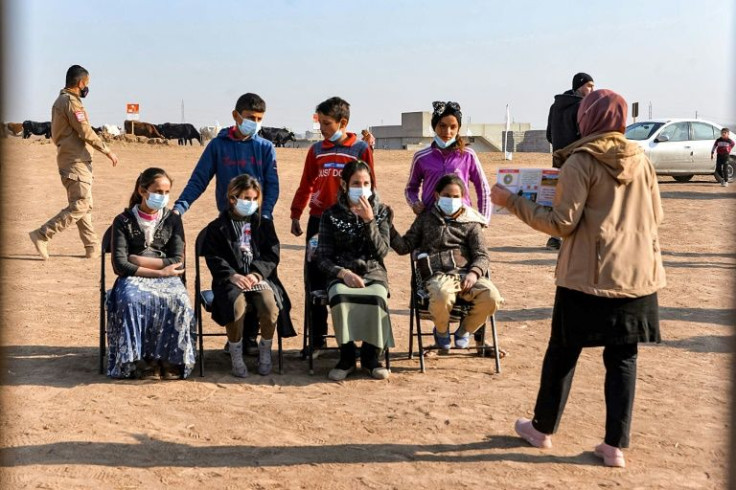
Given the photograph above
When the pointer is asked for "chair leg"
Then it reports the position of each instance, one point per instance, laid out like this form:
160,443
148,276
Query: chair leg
305,343
103,324
496,348
281,354
308,331
482,350
411,328
198,307
419,340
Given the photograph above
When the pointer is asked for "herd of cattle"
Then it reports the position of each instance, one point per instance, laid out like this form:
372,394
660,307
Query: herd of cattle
183,133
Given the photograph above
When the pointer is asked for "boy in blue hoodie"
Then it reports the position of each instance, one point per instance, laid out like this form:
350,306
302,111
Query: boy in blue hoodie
236,150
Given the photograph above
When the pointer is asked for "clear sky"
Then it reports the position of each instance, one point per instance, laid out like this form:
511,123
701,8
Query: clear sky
384,56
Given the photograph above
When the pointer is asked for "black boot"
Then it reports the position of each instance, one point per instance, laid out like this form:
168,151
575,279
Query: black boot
346,365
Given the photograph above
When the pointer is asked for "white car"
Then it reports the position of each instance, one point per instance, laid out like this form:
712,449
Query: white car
679,147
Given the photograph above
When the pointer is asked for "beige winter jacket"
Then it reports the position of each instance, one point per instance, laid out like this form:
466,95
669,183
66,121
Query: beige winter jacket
607,209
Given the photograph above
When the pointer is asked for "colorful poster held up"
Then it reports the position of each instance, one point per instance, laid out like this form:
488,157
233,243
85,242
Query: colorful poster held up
536,184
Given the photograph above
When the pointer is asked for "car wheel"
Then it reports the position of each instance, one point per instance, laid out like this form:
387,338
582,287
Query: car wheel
683,178
731,168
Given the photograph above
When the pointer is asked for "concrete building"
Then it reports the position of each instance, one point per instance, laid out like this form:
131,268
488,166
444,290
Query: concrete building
415,132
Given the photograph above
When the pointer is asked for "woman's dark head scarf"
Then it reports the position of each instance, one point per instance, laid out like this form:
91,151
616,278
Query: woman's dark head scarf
602,111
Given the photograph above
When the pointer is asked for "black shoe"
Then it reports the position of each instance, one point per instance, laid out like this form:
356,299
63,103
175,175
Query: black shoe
553,243
250,347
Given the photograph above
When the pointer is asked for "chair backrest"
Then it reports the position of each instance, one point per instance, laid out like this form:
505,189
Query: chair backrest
105,248
198,248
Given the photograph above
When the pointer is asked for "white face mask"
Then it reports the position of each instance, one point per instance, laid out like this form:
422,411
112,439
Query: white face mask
450,205
246,208
442,143
157,201
354,193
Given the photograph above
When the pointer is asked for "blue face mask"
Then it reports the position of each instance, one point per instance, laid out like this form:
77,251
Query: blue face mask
442,143
450,205
157,201
336,137
354,193
246,208
249,128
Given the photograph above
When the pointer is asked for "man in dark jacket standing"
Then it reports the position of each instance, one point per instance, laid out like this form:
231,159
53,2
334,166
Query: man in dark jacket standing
562,123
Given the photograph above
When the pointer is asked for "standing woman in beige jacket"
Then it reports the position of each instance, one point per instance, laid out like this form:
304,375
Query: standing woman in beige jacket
607,210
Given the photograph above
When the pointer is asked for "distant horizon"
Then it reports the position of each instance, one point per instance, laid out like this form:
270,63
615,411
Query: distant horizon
396,58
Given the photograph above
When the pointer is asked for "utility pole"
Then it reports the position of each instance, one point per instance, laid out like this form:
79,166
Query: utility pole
650,109
182,110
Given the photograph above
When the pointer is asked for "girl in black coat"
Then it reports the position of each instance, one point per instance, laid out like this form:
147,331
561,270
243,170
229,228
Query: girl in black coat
242,253
150,319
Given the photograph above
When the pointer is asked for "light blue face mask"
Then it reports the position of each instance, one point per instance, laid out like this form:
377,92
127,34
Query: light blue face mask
450,205
354,193
442,143
249,128
157,201
246,208
336,137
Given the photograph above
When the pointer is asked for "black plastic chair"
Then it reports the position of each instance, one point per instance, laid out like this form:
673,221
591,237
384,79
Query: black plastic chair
204,298
419,310
105,249
319,297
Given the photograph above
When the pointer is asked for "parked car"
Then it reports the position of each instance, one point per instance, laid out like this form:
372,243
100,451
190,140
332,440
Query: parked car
679,147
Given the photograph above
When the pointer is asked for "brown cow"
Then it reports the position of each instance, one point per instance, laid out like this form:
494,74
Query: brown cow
16,129
142,129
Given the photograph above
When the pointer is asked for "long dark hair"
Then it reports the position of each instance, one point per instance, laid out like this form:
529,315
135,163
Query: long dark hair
145,179
350,169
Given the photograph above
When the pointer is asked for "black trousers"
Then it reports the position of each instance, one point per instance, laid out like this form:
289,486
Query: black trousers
316,281
722,166
558,369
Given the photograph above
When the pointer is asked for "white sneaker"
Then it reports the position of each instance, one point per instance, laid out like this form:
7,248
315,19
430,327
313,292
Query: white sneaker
236,356
265,363
724,183
337,374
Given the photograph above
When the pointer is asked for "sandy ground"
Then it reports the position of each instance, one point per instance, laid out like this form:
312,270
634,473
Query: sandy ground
66,426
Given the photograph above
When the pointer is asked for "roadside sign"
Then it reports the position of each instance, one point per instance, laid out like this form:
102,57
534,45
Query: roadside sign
133,112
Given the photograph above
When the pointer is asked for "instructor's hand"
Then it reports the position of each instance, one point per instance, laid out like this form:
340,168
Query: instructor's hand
113,158
500,195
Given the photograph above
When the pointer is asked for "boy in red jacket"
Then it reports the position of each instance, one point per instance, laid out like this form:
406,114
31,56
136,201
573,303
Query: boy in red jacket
318,187
722,147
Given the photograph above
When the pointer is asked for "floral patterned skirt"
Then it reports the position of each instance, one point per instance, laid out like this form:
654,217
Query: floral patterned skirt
151,319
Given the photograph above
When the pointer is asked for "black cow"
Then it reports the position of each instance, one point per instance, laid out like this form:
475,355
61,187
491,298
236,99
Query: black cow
182,132
97,130
37,128
277,136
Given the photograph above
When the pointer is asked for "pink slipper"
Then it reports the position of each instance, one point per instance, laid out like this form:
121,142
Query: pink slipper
612,456
526,431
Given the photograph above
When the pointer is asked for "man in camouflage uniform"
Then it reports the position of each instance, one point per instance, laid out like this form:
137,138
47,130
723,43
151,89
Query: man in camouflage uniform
72,132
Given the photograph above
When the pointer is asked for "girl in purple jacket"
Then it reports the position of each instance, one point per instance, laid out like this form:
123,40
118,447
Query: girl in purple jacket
446,155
